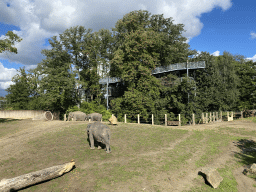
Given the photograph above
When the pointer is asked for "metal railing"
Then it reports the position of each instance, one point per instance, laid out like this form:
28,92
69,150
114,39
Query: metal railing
179,66
163,69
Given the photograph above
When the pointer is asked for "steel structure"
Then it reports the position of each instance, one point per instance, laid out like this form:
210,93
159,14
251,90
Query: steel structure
179,66
163,69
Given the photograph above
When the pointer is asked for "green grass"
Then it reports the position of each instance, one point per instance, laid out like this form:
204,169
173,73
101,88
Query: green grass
253,119
140,153
5,126
240,131
214,144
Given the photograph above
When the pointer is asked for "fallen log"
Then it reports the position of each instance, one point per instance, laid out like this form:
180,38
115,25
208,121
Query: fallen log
29,179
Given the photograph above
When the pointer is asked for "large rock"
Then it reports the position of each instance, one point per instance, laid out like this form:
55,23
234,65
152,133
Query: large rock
250,170
212,176
113,120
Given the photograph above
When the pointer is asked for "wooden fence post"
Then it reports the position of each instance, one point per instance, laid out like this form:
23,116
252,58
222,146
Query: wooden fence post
152,119
165,119
138,118
202,118
65,117
124,118
210,117
179,120
193,119
206,118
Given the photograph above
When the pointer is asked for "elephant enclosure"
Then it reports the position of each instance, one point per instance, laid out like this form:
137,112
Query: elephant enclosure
142,158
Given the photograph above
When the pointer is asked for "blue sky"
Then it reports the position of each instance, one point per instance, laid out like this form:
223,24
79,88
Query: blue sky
229,30
213,25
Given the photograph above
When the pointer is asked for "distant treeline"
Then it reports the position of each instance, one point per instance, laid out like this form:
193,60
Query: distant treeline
139,43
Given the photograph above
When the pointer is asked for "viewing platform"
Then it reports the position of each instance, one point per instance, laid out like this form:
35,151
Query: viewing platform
162,69
179,66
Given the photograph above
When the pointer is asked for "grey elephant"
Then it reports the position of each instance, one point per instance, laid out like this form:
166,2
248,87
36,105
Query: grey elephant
77,116
100,133
94,117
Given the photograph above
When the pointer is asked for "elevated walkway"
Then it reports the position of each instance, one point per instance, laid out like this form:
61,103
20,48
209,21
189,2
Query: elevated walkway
159,70
179,66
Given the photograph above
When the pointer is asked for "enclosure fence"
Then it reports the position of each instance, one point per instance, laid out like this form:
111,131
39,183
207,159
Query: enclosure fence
176,119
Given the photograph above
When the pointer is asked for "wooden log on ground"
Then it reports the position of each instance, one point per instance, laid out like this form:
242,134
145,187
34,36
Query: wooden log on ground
29,179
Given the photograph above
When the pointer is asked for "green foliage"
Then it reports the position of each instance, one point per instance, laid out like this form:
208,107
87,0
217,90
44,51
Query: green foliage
7,43
19,93
247,75
56,87
145,42
217,84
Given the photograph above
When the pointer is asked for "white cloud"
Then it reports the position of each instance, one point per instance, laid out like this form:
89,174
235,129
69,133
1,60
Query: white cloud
216,53
252,58
253,35
6,76
42,19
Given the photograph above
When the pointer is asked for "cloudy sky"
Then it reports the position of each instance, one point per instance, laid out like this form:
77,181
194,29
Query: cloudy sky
211,25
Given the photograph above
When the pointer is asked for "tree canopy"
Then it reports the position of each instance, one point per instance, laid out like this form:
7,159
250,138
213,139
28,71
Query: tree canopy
145,42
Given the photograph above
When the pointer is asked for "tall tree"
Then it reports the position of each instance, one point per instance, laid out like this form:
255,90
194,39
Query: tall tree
57,84
246,70
19,93
90,53
217,84
144,42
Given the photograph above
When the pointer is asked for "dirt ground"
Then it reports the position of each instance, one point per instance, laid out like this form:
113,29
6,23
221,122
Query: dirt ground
12,143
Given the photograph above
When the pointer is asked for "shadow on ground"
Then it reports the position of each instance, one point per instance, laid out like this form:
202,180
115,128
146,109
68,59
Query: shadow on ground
4,120
247,155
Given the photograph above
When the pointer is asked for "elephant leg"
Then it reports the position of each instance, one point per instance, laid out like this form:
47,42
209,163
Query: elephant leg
108,150
91,140
107,144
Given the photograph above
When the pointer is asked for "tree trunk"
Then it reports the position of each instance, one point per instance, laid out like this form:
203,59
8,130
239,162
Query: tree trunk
29,179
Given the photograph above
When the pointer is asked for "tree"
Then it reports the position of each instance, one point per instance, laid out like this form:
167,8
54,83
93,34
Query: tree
144,42
217,84
246,70
90,54
19,93
7,43
57,84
